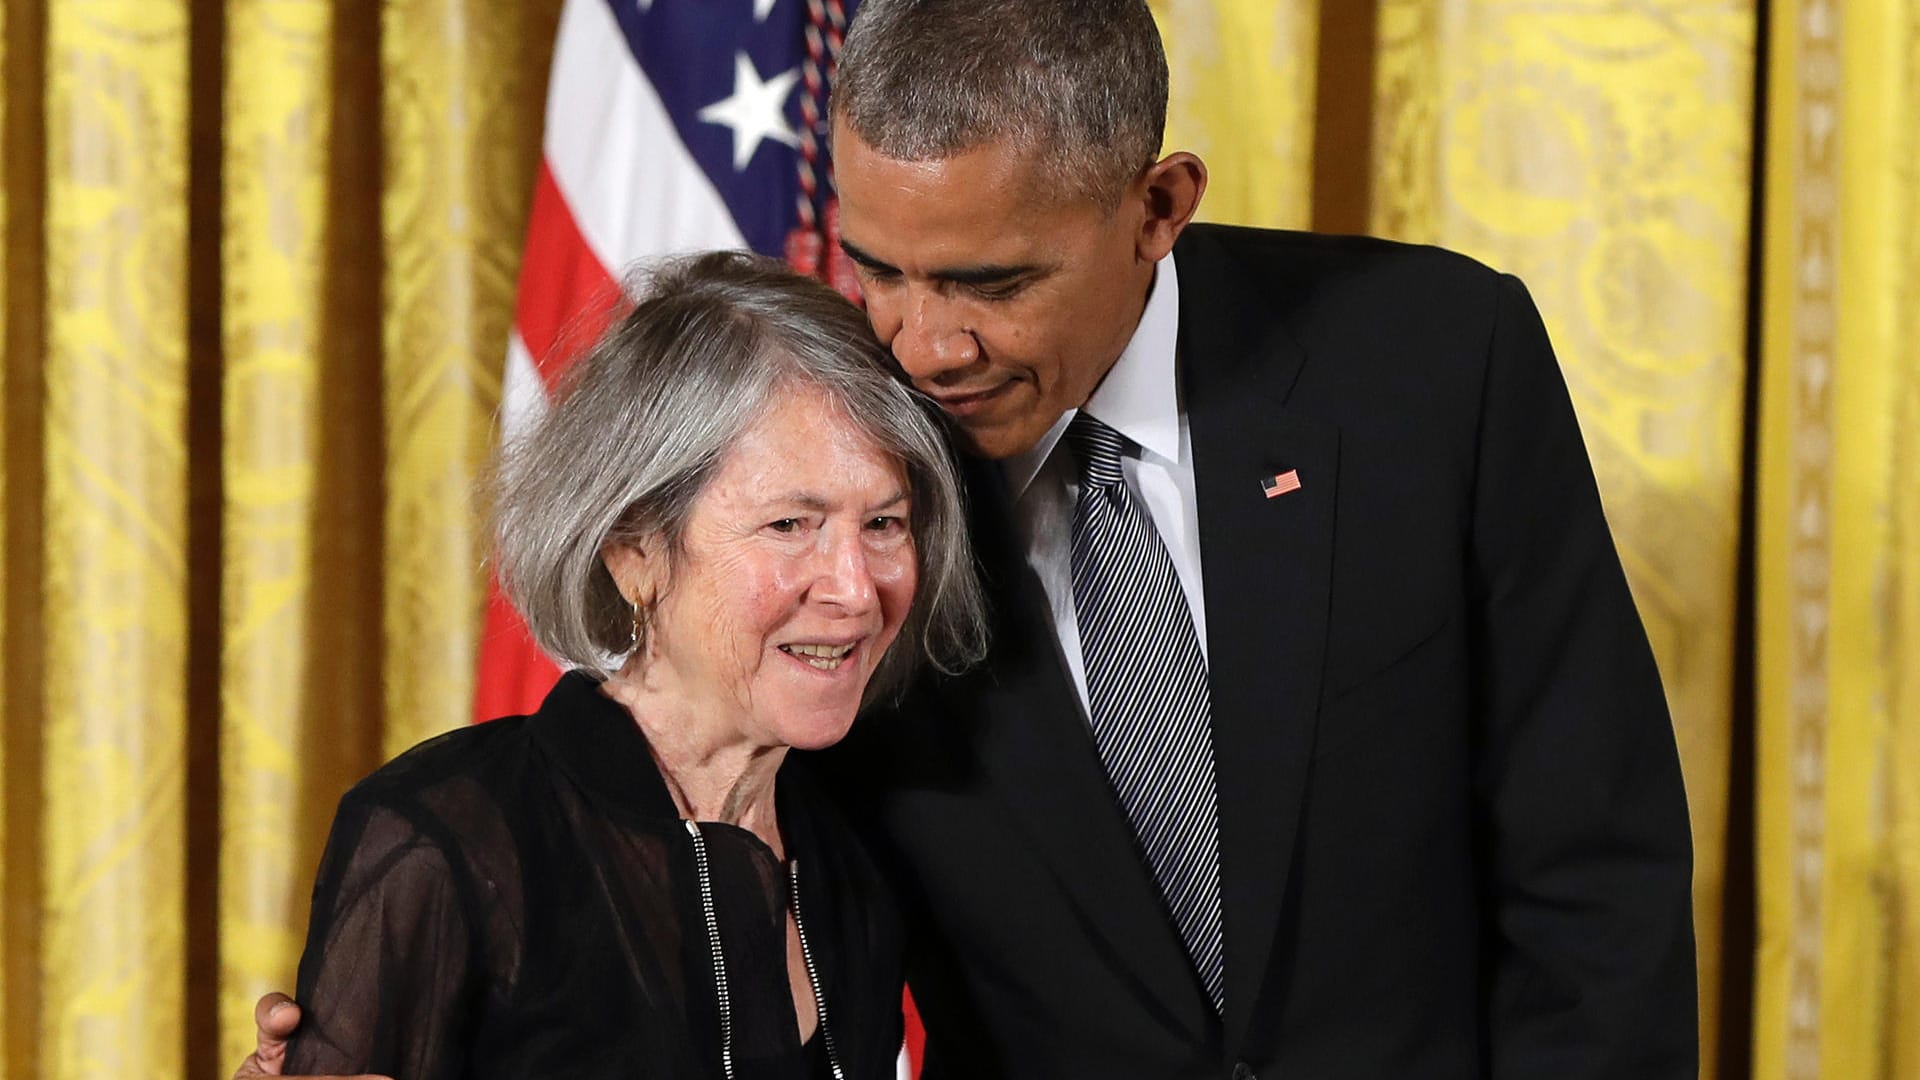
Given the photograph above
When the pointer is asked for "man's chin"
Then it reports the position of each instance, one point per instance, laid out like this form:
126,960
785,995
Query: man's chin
997,437
997,442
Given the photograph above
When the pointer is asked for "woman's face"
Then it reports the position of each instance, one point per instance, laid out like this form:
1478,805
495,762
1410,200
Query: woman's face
798,567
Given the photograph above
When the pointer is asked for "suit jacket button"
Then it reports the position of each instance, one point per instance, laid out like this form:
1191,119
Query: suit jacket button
1243,1071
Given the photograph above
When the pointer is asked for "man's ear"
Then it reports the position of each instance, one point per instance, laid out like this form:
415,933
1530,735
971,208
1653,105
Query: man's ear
637,571
1170,189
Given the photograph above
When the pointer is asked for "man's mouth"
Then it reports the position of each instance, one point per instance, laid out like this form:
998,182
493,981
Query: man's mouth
822,657
963,402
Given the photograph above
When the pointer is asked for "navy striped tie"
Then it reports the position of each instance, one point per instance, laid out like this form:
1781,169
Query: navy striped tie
1147,688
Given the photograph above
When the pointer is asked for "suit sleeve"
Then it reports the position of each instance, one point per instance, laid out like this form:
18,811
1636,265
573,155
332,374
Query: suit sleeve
1583,829
387,981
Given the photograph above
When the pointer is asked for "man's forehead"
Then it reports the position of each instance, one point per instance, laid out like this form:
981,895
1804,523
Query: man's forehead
993,166
959,211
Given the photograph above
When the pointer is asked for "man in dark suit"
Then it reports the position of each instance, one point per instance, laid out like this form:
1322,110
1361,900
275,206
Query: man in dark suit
1320,737
1448,831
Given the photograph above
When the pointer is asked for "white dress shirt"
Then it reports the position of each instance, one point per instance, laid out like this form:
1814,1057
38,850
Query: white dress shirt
1140,399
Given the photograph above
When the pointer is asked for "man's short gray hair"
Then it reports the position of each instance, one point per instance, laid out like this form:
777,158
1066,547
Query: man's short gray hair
1082,83
645,419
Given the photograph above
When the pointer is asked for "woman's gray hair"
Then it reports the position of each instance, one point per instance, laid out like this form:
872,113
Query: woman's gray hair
644,420
1081,85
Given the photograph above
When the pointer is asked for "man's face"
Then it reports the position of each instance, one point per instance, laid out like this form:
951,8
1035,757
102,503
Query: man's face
1004,301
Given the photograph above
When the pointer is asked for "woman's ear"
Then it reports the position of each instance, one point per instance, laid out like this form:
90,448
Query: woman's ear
637,570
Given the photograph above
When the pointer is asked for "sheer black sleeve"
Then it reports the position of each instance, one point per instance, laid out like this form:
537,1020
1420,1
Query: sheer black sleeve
388,982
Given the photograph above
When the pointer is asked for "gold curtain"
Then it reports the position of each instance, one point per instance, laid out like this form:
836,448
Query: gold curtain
114,520
259,262
259,273
5,301
1242,95
1838,975
1601,153
375,206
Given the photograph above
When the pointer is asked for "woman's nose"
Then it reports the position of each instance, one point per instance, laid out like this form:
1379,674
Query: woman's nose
845,577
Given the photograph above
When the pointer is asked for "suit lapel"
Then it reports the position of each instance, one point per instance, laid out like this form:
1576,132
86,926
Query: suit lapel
1267,564
1031,739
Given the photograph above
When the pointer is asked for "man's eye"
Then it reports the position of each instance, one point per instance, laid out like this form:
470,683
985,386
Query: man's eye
784,525
1003,291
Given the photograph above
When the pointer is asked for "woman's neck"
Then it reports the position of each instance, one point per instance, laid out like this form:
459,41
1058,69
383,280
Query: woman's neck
712,771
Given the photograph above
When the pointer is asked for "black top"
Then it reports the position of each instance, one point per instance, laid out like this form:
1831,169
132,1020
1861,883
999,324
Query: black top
521,899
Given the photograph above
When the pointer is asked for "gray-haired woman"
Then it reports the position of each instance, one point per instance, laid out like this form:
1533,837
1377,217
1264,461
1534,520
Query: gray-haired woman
736,525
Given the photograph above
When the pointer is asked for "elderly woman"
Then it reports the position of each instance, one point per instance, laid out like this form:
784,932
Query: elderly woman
736,526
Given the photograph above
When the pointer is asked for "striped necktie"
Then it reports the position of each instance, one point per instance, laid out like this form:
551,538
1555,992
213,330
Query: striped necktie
1147,688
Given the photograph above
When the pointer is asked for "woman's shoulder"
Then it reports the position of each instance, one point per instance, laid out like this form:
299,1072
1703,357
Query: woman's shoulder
446,814
450,787
453,756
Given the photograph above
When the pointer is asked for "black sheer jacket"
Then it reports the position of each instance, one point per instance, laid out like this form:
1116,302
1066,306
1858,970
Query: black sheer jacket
521,899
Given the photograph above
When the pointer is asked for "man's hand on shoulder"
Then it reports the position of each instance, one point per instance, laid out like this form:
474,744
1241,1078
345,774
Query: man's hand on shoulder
275,1017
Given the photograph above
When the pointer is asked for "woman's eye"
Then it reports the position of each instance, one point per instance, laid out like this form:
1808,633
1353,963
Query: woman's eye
785,525
887,524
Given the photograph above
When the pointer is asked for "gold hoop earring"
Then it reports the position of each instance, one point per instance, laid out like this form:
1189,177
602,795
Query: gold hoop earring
633,629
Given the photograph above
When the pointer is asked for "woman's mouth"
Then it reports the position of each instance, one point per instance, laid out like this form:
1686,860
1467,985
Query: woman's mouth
818,656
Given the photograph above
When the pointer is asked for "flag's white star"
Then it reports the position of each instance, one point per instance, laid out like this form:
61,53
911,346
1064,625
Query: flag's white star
756,111
761,9
645,6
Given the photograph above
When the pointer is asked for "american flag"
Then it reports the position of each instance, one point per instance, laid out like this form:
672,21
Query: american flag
671,126
1276,486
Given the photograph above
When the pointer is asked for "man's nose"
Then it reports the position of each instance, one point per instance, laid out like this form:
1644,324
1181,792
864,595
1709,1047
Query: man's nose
929,338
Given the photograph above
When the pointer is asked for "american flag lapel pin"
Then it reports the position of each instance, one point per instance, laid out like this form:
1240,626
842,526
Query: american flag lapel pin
1276,486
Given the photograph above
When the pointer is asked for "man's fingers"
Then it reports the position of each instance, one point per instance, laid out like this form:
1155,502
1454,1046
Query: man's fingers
275,1017
250,1070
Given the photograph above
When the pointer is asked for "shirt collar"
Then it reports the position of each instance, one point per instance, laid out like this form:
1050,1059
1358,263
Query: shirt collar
596,741
1138,398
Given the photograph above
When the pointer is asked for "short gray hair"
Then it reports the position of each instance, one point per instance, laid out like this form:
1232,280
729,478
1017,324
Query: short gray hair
644,420
1082,83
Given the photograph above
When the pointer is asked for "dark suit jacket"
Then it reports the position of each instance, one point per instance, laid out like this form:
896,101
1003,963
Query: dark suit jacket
1453,837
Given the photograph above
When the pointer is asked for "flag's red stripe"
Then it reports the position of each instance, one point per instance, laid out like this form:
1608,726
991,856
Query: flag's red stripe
564,299
566,296
514,675
916,1035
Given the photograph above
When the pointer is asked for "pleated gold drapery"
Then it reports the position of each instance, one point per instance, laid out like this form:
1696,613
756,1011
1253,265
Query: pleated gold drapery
1602,153
259,274
365,167
114,591
375,205
1838,970
1242,97
5,307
